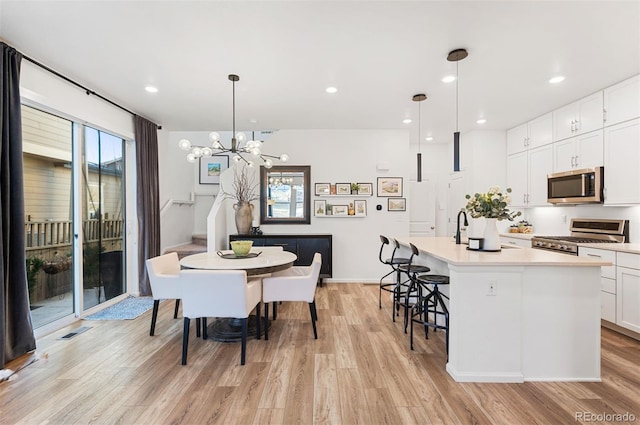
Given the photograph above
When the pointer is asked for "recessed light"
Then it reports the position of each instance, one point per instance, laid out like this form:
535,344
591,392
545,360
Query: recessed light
449,79
151,89
481,121
557,79
331,90
428,138
406,121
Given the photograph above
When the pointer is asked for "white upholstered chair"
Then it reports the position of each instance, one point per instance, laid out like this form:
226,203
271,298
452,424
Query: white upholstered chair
164,276
294,284
218,293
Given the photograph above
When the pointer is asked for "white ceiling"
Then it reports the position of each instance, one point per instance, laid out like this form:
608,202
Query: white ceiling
377,53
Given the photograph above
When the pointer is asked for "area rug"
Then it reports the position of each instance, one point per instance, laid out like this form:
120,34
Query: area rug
127,309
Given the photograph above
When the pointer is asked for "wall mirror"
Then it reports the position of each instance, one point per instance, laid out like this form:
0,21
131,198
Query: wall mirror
284,194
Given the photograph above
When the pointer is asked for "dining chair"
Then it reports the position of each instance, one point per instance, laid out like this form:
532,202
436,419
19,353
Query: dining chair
297,283
218,293
164,278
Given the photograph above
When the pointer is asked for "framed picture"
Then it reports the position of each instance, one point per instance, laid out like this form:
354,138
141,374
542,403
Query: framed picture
320,207
396,204
340,210
360,205
365,189
323,189
343,188
211,167
389,186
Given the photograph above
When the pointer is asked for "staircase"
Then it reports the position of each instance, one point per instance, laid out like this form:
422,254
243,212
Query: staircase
198,244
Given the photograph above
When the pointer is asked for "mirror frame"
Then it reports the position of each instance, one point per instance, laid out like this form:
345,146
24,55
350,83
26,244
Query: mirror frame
264,184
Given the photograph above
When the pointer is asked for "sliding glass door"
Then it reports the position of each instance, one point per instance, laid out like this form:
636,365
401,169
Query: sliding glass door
102,217
70,167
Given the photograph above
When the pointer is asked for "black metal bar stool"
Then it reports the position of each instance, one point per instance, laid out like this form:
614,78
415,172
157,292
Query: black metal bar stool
429,305
393,262
414,289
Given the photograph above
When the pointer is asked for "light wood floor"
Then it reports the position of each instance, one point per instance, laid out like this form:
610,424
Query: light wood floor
359,371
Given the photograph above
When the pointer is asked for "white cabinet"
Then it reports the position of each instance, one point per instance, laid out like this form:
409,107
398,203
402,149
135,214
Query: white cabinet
584,151
628,291
622,101
527,176
578,117
621,159
533,134
607,281
522,243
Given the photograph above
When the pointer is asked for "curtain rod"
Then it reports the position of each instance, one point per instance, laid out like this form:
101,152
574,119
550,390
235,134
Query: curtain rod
86,90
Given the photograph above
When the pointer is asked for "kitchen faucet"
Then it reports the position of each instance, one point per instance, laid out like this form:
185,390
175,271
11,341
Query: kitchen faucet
466,223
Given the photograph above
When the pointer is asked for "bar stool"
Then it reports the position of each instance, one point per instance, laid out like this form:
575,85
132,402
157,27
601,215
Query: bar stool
429,305
414,288
393,262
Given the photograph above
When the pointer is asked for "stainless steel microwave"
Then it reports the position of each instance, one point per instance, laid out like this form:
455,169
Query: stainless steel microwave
576,186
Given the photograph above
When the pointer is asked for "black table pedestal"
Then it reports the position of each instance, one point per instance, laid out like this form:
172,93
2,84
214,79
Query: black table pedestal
230,330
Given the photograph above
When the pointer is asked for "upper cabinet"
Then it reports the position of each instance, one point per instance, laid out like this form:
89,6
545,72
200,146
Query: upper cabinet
621,159
530,135
622,101
584,151
578,117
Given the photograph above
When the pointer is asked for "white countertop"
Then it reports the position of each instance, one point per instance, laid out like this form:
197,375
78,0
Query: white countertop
526,236
445,249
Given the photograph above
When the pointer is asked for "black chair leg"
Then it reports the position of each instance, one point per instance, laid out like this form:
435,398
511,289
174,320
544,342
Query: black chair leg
198,325
312,310
275,310
154,316
204,328
258,320
175,311
243,348
266,321
185,340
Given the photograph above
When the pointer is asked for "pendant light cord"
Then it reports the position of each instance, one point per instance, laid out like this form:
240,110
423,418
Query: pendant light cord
419,122
457,95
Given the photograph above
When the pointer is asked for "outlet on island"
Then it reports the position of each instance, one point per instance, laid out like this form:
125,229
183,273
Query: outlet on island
492,288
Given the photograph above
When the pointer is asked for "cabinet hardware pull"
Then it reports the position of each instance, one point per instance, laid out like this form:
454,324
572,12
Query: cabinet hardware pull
594,255
604,115
577,161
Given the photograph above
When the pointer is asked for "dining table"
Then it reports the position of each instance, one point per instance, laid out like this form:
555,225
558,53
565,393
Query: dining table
259,261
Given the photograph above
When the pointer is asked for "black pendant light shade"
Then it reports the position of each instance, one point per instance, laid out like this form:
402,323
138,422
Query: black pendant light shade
456,56
419,98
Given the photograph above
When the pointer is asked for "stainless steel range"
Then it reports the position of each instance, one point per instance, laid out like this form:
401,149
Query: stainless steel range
585,230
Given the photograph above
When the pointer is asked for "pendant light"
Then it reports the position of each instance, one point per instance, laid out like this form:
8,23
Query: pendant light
456,56
419,98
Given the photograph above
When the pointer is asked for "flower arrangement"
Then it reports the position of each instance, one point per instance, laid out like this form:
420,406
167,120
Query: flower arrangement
492,204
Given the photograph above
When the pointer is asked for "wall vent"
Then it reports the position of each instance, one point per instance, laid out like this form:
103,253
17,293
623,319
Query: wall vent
75,332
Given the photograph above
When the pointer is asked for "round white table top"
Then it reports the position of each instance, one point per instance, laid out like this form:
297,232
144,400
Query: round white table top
268,261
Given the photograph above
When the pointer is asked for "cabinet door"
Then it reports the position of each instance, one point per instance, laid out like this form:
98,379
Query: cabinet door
590,113
256,241
621,159
517,139
307,247
517,178
540,164
540,131
564,155
628,299
589,150
622,101
608,306
564,122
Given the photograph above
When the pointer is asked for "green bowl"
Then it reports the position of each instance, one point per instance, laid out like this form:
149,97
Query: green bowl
241,248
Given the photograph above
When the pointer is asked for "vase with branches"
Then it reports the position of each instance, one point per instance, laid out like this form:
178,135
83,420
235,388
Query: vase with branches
244,192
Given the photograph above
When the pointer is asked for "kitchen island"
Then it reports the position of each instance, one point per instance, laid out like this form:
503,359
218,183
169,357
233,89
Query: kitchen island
521,314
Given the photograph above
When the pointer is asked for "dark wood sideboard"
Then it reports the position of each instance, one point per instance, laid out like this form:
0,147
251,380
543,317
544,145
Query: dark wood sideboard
303,245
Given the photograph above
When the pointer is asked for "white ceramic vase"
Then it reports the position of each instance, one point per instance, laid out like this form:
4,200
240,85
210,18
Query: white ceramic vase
491,235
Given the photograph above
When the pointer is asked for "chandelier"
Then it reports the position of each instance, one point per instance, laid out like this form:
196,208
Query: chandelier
251,149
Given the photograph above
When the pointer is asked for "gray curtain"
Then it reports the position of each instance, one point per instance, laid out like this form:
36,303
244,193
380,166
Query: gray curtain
148,197
16,330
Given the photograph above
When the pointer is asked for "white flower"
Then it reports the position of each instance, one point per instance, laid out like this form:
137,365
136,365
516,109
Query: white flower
494,189
507,199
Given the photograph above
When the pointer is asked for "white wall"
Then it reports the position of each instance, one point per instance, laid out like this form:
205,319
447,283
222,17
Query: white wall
348,156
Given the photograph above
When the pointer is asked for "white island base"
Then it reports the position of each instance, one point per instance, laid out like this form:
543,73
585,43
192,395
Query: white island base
520,314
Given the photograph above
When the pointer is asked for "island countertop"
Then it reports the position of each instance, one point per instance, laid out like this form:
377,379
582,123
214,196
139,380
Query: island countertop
445,249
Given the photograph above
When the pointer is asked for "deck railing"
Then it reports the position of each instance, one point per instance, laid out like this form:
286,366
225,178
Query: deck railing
53,234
